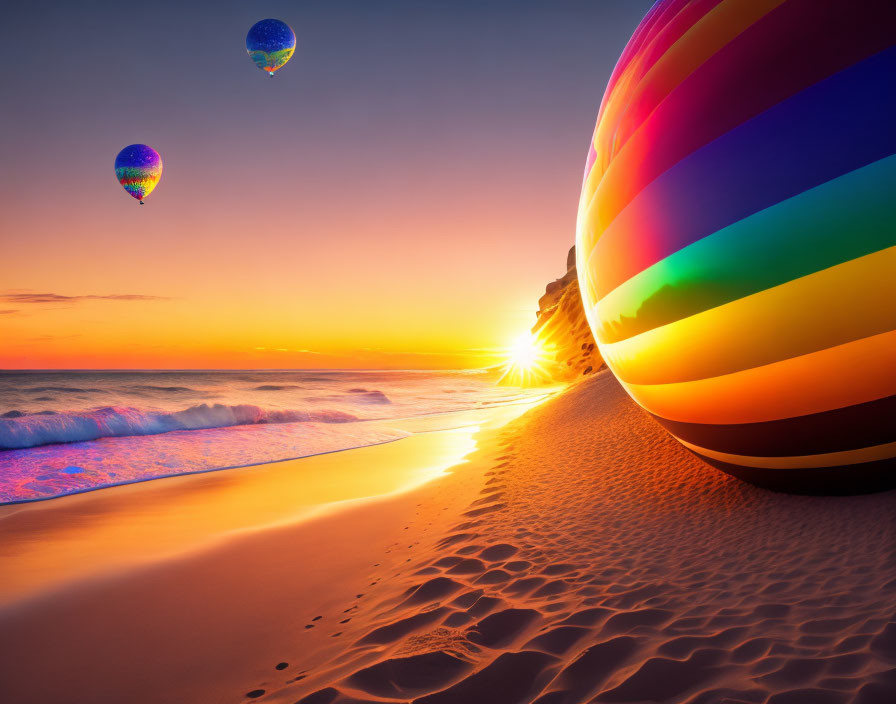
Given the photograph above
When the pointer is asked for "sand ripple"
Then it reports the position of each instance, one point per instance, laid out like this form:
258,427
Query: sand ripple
602,563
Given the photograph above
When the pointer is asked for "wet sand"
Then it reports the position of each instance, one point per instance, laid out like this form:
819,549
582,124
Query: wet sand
579,555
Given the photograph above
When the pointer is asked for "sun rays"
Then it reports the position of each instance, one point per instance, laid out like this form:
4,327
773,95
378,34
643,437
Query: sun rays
527,362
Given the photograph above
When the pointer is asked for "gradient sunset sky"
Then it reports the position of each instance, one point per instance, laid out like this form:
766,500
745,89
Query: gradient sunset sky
397,196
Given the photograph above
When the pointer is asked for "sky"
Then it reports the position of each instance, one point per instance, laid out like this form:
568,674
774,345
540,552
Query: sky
397,196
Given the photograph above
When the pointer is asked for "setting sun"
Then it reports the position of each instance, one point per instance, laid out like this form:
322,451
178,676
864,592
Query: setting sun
526,362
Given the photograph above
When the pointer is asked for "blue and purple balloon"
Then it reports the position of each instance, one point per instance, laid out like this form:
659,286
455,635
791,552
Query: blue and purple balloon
270,44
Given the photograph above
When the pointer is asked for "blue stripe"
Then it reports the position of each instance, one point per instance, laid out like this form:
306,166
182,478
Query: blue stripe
833,127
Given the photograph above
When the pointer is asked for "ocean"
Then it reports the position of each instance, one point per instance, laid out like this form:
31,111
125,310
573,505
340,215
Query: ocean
64,432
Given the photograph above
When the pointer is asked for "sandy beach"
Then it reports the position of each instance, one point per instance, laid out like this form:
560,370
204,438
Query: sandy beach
578,554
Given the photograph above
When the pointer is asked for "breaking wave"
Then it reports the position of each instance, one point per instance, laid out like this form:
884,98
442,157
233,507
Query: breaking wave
370,395
170,389
66,390
31,430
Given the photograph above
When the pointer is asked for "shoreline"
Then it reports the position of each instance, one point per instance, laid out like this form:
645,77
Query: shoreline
404,421
128,482
212,505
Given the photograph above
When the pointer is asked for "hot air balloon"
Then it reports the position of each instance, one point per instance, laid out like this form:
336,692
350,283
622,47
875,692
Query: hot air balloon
138,169
736,244
270,44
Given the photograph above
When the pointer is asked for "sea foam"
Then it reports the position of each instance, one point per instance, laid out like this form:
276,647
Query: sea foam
37,429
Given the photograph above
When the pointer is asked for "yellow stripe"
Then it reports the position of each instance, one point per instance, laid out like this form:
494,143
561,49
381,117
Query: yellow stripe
856,372
827,459
846,302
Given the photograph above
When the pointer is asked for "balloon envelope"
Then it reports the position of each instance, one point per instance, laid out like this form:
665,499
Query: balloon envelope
138,169
735,242
270,44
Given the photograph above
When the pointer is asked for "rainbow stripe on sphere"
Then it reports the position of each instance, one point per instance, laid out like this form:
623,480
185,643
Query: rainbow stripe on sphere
736,235
138,169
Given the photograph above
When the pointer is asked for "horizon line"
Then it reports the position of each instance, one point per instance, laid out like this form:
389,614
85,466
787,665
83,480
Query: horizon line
246,369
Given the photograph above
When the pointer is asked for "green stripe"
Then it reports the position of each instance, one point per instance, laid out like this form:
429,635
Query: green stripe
848,217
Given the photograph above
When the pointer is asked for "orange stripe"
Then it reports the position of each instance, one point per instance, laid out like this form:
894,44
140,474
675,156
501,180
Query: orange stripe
856,372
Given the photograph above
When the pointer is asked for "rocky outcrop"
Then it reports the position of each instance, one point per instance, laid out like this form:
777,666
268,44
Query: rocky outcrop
562,329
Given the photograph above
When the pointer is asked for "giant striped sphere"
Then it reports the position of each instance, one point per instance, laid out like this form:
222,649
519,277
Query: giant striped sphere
736,239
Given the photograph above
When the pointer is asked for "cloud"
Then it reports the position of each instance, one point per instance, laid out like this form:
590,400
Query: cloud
11,297
472,352
44,338
8,311
284,349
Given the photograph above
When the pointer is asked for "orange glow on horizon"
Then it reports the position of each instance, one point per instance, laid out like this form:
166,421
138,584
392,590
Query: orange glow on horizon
181,334
365,209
